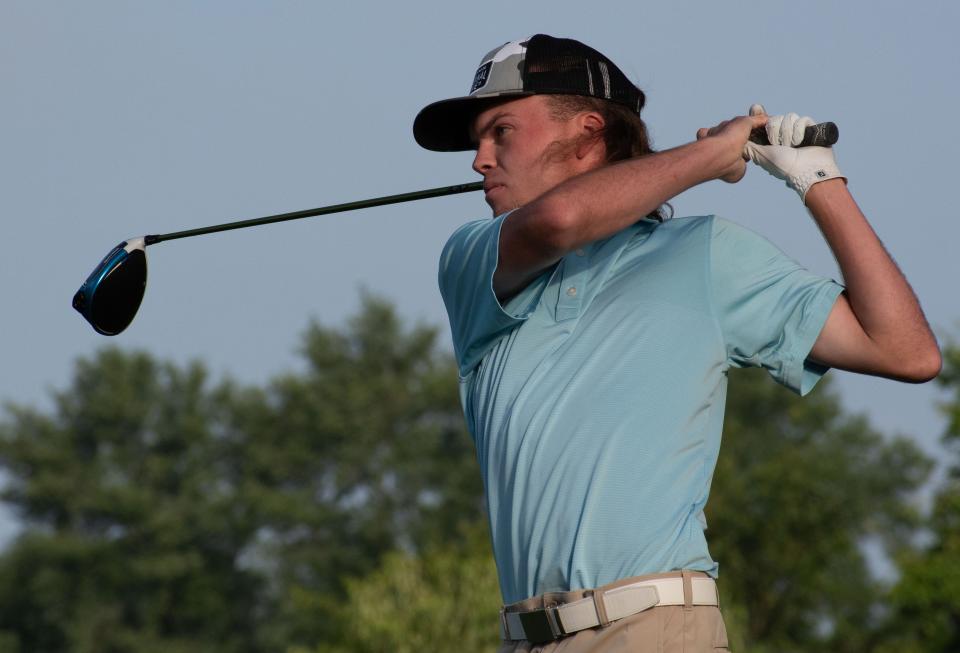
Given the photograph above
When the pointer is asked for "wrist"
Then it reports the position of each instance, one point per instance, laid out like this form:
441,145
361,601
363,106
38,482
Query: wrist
819,185
810,166
717,157
826,193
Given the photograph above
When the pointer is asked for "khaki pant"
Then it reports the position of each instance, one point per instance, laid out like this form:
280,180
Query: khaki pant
664,629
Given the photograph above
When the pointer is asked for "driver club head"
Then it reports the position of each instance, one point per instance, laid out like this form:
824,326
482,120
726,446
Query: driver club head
111,295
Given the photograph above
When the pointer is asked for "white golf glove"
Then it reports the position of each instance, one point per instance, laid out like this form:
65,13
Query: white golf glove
800,167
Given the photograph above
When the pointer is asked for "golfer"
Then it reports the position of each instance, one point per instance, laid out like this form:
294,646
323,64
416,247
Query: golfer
593,336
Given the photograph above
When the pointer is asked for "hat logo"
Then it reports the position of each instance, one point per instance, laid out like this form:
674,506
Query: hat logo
481,78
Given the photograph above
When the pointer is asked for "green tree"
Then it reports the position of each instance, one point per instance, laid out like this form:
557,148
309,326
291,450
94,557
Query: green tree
363,453
926,601
335,508
134,537
799,488
446,596
165,514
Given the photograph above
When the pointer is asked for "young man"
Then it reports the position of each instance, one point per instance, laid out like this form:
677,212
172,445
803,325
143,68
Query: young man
593,337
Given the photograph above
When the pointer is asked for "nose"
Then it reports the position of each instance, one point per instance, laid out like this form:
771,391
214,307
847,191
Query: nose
484,160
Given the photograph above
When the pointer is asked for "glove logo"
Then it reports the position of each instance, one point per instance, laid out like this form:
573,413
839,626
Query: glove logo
821,174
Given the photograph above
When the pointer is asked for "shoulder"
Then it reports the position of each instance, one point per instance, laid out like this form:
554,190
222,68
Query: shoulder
485,231
692,226
719,233
676,237
727,247
465,233
725,229
469,257
712,227
471,243
736,243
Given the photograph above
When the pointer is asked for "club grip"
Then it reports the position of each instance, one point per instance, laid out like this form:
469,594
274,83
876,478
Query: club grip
823,134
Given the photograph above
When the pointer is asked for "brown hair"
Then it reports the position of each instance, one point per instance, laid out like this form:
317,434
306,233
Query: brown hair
624,134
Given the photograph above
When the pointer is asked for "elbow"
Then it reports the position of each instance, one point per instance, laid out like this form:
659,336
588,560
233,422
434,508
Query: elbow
553,223
925,366
932,366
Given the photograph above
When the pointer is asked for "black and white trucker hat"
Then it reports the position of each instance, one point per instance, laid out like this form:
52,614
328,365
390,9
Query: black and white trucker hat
536,65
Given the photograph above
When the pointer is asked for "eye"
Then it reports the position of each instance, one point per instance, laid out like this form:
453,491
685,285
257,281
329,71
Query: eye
500,131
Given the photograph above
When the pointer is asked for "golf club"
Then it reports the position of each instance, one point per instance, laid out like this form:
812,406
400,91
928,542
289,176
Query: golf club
111,295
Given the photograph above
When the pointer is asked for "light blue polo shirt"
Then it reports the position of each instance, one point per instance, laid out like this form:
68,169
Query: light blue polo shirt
595,397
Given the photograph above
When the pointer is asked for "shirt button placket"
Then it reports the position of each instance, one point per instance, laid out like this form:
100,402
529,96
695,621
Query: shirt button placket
574,279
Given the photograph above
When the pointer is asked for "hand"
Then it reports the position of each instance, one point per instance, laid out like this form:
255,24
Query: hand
734,133
800,167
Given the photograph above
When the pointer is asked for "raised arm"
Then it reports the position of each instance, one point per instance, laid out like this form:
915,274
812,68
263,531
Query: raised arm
876,326
590,199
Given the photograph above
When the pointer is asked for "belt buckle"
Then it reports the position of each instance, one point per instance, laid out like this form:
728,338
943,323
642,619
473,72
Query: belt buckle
541,626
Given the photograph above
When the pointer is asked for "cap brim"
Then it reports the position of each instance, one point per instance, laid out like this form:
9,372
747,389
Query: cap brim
444,126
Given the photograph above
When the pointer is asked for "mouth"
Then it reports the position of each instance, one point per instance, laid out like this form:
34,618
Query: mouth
489,187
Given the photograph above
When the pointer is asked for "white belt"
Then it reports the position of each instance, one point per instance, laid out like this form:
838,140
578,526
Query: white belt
551,623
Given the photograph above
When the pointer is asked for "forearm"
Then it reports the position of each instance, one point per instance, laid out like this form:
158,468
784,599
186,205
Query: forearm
878,294
601,202
605,199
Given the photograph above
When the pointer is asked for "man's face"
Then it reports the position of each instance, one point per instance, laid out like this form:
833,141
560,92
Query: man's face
522,152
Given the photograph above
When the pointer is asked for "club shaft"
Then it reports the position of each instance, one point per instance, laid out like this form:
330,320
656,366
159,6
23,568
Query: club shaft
324,210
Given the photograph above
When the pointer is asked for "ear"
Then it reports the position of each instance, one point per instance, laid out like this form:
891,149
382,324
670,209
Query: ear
590,125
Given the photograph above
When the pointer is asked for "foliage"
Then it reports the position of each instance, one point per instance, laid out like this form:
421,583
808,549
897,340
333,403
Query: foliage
926,601
135,531
949,379
445,597
798,487
163,514
363,453
338,508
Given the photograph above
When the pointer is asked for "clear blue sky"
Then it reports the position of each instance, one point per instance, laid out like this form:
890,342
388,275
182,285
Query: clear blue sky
119,119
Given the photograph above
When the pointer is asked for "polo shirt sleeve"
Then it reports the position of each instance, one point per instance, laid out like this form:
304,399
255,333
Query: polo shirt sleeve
769,307
477,319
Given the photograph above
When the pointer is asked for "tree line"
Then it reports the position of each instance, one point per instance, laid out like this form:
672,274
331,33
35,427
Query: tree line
339,508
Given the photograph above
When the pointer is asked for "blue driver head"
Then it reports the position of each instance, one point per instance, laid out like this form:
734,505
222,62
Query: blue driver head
111,295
